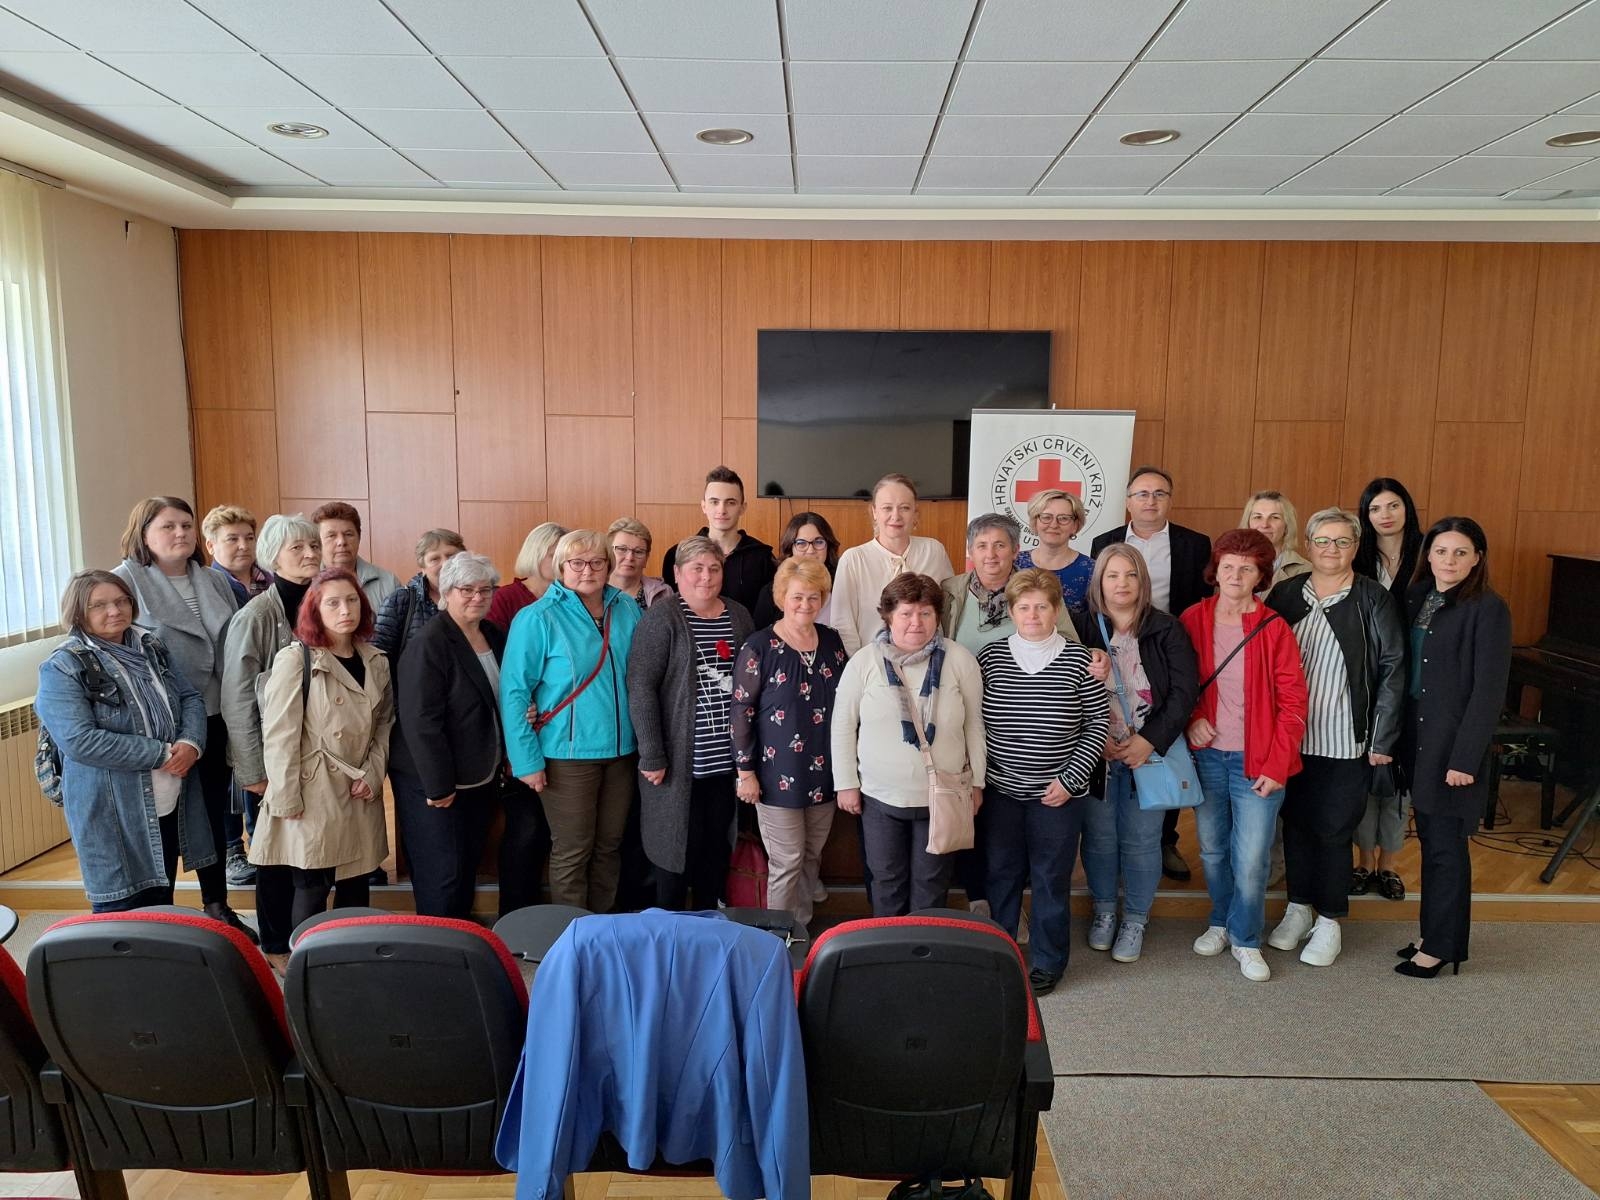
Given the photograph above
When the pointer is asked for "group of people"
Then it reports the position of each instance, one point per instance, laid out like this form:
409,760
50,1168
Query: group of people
618,722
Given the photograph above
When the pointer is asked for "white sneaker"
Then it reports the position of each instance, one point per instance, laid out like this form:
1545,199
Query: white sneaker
1325,944
979,908
1022,928
1212,942
1251,965
1292,930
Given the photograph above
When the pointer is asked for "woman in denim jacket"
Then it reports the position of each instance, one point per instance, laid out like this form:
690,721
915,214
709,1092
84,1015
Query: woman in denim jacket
130,730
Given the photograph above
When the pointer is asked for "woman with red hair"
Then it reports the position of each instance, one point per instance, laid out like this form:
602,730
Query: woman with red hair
1246,731
326,716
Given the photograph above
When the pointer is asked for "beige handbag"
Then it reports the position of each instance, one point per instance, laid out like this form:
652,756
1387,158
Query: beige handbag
950,817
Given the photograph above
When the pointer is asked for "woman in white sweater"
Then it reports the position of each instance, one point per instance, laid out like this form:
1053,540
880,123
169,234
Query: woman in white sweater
909,672
866,569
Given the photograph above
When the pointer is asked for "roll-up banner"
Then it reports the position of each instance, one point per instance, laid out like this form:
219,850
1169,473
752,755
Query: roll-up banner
1016,453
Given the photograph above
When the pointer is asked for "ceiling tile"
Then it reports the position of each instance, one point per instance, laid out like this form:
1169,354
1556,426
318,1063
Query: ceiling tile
738,191
251,124
1574,37
829,171
1101,133
1254,28
378,80
1239,170
675,132
548,84
490,185
1032,87
500,167
70,79
1410,134
1082,31
869,87
1588,106
1188,190
1445,28
551,29
848,29
244,167
1501,173
984,171
1583,176
355,168
1535,88
156,125
966,191
590,171
1291,133
703,85
436,128
1090,191
1112,170
688,28
17,34
1360,171
1006,135
861,135
583,133
196,79
312,26
748,170
126,25
1530,140
1361,86
1157,87
858,191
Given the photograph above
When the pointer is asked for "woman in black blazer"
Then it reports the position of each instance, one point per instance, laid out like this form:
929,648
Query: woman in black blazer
450,711
1460,634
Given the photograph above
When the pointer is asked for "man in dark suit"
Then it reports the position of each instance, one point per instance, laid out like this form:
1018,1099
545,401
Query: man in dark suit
1177,558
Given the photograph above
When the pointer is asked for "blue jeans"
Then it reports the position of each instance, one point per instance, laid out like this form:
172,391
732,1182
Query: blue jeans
1120,837
1029,843
1236,828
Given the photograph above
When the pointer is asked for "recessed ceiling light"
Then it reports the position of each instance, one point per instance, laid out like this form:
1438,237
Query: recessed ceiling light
297,129
1149,137
1583,137
726,137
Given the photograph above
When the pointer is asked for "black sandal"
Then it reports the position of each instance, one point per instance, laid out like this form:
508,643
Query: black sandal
1360,881
1390,886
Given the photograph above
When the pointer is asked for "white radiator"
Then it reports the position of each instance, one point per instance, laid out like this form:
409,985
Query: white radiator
29,824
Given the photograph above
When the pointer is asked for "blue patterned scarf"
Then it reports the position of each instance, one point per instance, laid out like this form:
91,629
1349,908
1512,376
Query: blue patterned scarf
149,690
895,661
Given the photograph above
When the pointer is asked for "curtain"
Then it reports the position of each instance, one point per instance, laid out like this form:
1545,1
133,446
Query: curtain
38,506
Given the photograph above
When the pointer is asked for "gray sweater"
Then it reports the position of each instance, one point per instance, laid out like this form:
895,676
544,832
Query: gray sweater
193,643
661,700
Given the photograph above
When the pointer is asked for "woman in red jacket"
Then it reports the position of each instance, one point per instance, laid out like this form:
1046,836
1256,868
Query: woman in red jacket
1246,732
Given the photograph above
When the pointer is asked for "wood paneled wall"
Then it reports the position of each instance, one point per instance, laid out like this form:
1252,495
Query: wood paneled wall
484,382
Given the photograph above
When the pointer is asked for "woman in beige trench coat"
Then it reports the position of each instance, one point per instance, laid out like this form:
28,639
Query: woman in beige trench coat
325,739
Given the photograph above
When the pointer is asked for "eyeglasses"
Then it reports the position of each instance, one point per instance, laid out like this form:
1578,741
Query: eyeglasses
630,551
816,543
476,593
1058,518
1322,543
1144,496
120,602
594,565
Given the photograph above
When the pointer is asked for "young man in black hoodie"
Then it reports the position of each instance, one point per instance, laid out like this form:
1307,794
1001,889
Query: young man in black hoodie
749,565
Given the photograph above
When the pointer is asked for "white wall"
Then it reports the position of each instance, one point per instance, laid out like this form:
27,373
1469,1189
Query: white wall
118,277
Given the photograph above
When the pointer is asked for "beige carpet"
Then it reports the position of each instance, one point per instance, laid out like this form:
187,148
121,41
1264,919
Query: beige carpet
1521,1011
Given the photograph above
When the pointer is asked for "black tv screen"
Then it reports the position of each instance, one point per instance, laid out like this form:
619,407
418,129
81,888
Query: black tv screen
838,409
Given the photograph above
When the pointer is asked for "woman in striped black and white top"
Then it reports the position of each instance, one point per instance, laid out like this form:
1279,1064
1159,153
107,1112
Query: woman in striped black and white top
1352,648
1045,722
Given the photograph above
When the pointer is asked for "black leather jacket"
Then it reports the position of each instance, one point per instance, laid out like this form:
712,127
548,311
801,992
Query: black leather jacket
1372,636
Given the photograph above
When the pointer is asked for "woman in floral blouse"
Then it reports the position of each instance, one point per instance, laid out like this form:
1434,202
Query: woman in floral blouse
783,690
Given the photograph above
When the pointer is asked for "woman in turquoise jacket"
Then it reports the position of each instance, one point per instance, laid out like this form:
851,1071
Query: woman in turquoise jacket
564,705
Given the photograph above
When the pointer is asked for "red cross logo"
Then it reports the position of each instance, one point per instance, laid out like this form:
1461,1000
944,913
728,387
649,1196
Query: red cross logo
1049,477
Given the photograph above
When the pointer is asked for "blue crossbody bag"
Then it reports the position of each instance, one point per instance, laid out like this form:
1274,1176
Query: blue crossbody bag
1162,781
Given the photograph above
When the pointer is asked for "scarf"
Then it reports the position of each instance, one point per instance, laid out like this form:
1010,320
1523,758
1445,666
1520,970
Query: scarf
895,661
291,594
149,692
993,603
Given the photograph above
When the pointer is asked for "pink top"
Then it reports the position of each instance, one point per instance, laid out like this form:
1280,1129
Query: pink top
1230,689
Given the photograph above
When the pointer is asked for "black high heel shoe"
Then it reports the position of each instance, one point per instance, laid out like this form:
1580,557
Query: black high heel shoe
1416,971
1409,952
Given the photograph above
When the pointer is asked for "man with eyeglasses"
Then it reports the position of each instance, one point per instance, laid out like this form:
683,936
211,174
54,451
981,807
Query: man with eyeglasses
1176,558
748,565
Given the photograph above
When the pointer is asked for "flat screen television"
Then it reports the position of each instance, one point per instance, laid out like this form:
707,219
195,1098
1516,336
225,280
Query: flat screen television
838,409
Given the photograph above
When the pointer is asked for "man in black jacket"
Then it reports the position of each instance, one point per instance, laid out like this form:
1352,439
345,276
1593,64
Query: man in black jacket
748,567
1177,558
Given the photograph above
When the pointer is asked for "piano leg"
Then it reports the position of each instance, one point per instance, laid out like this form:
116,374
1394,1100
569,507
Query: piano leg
1590,803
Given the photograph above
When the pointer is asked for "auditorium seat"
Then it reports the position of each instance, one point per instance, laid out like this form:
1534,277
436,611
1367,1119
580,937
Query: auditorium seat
169,1033
925,1059
409,1030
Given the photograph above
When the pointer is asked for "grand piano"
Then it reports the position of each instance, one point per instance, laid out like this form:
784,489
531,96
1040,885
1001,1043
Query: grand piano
1564,665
